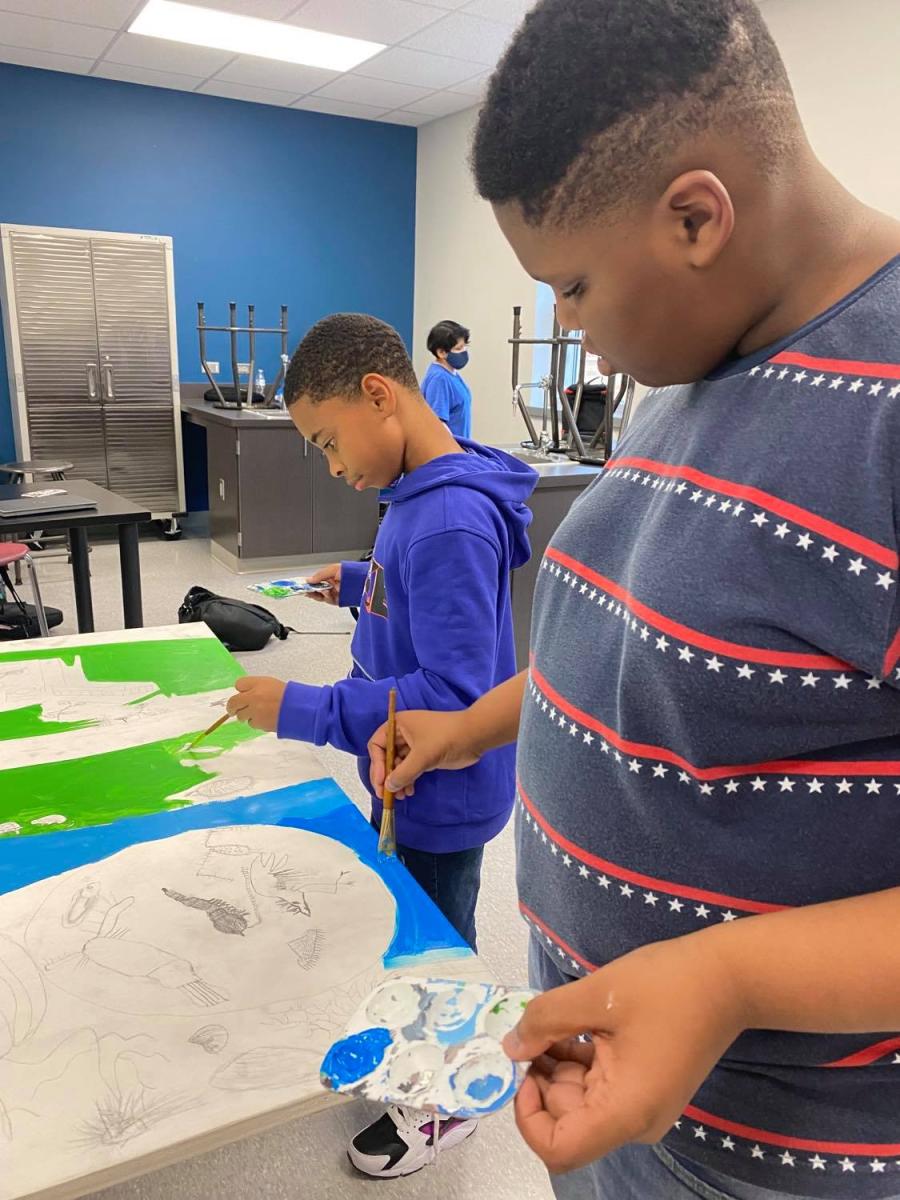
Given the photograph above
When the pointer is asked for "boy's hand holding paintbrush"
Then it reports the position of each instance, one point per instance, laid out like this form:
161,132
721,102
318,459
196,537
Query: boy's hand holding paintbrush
257,701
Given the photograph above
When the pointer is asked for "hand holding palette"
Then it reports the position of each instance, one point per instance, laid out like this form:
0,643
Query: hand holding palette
430,1044
278,589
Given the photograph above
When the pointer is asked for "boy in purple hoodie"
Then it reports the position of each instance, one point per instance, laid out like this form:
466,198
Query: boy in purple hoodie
435,623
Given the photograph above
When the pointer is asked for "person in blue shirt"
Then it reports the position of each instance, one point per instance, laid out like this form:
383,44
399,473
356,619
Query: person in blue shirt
443,387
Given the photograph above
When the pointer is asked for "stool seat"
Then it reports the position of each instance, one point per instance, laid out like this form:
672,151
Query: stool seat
37,466
12,552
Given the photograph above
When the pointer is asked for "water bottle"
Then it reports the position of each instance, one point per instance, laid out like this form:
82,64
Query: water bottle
259,384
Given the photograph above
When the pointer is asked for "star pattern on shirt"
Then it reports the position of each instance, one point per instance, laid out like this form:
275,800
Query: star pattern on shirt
793,783
671,907
662,642
797,539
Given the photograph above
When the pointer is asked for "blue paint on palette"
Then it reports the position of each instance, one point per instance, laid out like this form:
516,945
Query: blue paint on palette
421,931
352,1058
485,1088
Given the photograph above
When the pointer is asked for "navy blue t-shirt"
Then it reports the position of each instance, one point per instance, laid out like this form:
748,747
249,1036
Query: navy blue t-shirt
711,727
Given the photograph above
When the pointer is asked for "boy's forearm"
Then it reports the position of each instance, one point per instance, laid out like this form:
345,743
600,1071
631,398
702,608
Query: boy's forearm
826,968
493,720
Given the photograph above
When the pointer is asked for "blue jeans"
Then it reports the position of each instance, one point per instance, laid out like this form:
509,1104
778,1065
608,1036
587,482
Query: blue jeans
451,880
638,1172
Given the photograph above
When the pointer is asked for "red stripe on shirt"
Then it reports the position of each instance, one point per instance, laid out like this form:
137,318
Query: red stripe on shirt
889,1150
782,508
573,954
693,637
643,881
838,366
786,766
871,1054
893,653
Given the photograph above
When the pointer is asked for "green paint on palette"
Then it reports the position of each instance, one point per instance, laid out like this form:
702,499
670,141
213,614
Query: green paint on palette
105,787
180,667
26,723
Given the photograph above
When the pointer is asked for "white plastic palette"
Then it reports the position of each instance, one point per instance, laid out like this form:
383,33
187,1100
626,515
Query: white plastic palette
430,1044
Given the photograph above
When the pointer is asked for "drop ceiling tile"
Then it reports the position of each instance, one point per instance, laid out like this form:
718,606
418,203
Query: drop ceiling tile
44,60
399,65
59,37
106,14
372,91
166,79
159,54
474,87
441,104
385,21
280,76
402,117
242,91
462,36
339,108
509,12
268,10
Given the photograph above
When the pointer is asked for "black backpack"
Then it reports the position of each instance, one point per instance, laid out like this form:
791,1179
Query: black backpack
240,626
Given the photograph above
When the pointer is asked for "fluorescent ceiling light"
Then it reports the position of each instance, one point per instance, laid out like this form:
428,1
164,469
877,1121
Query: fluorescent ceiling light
250,35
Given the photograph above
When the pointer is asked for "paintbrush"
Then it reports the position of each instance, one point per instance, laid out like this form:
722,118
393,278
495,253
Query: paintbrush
387,841
206,732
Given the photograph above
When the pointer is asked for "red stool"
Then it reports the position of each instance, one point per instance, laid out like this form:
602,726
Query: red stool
12,553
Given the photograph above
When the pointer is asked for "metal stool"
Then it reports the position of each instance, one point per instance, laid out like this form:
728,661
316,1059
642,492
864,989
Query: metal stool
13,553
38,468
48,469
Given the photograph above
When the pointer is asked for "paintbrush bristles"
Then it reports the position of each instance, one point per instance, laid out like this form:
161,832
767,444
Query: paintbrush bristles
387,843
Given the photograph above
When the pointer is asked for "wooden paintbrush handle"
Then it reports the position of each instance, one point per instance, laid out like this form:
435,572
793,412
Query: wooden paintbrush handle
387,796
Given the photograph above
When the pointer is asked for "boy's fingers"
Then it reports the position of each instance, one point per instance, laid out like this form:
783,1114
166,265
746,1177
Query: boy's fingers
245,683
325,574
554,1017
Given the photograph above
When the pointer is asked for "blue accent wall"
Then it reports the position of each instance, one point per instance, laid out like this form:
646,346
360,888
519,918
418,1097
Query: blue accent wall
266,205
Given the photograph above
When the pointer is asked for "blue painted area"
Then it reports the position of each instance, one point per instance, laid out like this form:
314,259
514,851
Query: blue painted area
268,205
484,1088
352,1058
421,931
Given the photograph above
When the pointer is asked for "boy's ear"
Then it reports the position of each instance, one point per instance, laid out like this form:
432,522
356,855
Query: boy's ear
380,392
694,219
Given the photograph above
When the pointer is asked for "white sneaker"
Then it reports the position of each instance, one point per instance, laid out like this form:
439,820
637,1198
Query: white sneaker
402,1141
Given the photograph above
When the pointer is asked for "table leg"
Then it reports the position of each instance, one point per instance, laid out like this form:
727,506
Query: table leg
81,575
130,562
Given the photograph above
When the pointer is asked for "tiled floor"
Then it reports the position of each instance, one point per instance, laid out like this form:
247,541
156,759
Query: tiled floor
306,1160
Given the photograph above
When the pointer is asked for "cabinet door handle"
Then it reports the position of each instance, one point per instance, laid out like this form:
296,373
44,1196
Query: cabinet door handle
108,381
305,448
92,380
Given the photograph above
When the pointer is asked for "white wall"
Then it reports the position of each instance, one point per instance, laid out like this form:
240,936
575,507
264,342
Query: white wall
843,57
843,61
466,272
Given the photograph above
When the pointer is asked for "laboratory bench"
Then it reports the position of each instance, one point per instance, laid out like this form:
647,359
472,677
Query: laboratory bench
272,502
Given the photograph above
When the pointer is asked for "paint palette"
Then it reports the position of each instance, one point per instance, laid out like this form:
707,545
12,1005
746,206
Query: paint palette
279,589
430,1044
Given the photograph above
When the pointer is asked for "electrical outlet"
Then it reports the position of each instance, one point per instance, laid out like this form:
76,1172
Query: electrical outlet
213,368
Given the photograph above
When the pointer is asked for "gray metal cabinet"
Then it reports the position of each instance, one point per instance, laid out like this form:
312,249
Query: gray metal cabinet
341,517
271,499
90,338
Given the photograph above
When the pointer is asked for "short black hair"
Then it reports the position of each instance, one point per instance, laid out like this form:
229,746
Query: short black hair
338,351
445,335
592,97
